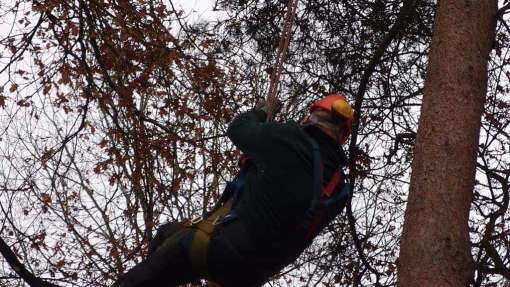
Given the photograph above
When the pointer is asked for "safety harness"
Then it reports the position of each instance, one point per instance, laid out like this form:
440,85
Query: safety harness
324,197
221,212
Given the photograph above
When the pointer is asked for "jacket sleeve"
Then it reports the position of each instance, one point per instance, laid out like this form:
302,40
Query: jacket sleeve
250,133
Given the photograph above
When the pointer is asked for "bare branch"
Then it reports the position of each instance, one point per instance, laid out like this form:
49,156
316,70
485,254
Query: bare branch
20,269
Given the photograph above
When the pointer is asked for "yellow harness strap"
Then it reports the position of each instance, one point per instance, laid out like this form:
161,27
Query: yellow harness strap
203,232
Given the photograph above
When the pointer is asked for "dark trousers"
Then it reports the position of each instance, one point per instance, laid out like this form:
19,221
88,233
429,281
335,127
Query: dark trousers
168,263
232,261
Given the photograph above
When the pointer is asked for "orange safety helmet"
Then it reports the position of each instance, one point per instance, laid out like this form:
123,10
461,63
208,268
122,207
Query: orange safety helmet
338,106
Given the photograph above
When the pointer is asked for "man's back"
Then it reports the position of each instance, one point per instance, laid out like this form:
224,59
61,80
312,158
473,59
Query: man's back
277,194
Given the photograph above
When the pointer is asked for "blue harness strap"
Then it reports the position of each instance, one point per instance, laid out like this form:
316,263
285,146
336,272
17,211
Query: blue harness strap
317,181
322,203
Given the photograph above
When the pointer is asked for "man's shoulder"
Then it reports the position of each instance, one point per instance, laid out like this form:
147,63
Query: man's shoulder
289,127
290,140
289,132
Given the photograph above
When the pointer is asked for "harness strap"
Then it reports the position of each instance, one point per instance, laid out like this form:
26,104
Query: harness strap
314,214
326,192
232,189
333,183
200,243
317,172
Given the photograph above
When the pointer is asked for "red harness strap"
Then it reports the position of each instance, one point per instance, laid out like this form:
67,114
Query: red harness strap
333,182
326,192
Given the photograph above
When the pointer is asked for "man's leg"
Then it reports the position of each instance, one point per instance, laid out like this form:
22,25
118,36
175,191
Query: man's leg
230,257
164,232
167,265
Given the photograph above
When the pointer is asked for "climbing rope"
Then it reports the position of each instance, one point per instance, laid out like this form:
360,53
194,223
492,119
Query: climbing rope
281,55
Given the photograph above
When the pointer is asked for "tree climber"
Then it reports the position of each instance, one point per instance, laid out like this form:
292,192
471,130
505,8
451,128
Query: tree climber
290,187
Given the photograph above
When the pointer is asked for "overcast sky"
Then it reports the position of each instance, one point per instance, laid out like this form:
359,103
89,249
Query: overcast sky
197,9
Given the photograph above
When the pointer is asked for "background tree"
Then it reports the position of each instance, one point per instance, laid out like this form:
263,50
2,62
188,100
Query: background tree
435,248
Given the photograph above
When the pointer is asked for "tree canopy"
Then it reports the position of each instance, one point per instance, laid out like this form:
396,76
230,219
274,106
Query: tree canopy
113,116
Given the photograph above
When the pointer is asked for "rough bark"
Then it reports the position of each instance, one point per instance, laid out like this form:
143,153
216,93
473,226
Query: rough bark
435,247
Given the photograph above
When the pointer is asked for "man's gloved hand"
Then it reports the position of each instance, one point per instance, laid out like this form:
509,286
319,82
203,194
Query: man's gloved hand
262,105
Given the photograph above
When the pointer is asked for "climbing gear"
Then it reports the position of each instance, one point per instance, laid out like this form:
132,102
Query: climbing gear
200,243
281,55
341,110
223,210
222,213
168,233
325,197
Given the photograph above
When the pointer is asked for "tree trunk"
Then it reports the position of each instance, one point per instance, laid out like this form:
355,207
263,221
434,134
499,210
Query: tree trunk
435,246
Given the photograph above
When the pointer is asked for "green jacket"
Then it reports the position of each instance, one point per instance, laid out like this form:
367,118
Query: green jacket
279,191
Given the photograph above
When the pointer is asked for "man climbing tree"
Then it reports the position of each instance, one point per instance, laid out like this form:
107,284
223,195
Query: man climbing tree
435,249
290,187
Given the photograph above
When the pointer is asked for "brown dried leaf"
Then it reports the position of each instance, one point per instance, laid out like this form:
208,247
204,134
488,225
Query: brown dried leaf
45,198
13,88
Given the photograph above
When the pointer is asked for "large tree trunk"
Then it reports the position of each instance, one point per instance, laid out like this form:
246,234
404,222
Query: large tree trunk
435,247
